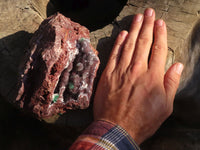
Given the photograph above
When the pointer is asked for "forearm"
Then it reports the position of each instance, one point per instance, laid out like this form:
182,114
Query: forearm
104,135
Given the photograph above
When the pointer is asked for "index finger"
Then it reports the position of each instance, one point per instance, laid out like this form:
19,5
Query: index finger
159,48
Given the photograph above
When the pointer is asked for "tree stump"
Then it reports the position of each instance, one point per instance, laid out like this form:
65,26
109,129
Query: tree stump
19,19
183,25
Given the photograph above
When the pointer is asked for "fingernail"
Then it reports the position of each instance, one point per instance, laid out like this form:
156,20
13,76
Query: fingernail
123,34
138,18
149,12
179,68
159,22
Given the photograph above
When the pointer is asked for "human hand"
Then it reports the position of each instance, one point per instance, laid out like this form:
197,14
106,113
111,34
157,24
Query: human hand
133,92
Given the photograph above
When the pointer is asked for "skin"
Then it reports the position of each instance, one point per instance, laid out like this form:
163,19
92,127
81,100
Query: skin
134,91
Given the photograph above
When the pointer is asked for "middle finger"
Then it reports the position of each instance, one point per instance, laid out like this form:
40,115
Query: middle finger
144,40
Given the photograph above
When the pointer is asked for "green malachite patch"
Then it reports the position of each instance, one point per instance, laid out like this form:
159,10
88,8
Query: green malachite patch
81,39
55,97
71,86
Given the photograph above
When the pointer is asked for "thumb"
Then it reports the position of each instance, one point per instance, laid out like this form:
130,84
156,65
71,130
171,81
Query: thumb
172,79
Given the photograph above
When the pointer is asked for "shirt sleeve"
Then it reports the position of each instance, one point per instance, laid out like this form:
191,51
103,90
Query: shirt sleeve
105,136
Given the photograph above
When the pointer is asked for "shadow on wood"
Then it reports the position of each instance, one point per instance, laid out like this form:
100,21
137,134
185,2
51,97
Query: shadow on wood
187,102
12,54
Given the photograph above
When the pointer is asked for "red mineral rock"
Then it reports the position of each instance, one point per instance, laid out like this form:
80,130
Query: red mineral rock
61,69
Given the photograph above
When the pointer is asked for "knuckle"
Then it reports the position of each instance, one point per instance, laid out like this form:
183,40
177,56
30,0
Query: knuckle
157,48
128,46
115,56
107,74
136,67
144,40
120,72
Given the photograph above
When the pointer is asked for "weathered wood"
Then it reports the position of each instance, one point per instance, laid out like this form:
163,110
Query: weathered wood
182,19
19,19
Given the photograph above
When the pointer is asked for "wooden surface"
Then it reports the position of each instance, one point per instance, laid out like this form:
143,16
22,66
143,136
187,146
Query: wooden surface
183,25
19,19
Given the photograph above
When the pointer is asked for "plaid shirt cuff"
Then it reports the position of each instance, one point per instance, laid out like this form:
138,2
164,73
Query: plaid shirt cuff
105,136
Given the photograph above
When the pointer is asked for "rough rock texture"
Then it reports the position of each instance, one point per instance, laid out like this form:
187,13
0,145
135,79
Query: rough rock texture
182,18
60,70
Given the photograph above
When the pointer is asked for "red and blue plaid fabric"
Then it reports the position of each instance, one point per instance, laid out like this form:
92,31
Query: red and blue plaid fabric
102,135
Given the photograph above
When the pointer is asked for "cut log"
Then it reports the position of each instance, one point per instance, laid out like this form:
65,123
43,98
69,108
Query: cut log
183,25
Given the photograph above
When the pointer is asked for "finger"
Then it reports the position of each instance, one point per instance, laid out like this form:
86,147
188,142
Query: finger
116,51
131,40
171,80
145,39
159,48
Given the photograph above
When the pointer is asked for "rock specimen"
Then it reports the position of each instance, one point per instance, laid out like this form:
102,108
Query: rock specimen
61,68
